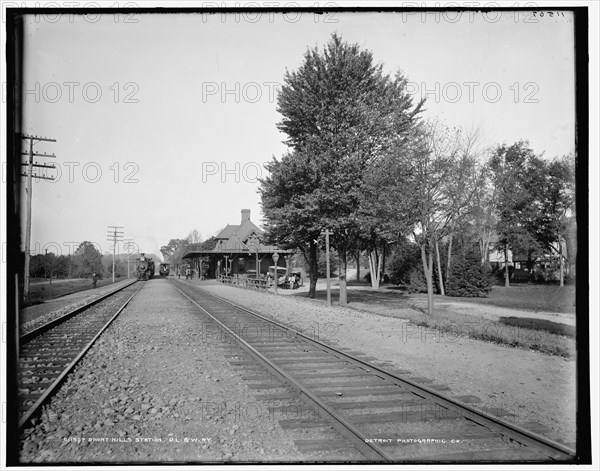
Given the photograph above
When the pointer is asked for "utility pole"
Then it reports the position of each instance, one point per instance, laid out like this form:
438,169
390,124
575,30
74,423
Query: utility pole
114,236
28,173
127,243
327,233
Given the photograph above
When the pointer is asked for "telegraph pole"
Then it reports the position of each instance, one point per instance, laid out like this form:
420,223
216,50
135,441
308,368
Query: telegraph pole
327,233
127,243
114,236
28,173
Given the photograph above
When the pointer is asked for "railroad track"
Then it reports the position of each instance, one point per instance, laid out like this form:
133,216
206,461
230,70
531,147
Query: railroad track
374,410
49,353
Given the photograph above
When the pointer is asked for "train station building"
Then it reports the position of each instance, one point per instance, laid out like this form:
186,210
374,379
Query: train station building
239,250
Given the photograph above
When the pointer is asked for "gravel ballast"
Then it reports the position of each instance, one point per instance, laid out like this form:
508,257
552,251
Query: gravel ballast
154,389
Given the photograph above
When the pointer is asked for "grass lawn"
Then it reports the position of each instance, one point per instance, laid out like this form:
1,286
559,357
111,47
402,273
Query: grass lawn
40,292
547,298
523,332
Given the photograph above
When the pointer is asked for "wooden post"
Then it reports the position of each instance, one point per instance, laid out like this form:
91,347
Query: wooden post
327,233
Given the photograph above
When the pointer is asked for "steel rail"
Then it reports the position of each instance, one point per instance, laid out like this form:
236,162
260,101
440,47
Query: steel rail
59,380
554,449
24,338
371,450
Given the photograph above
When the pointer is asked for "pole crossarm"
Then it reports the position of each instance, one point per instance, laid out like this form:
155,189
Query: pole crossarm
37,138
37,176
39,165
39,154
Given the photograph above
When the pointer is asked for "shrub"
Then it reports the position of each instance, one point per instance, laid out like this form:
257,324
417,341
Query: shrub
405,259
416,282
382,279
468,278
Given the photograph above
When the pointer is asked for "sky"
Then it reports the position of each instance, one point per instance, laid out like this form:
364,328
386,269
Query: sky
163,122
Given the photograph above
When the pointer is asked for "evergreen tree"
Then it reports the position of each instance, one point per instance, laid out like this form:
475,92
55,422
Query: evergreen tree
469,278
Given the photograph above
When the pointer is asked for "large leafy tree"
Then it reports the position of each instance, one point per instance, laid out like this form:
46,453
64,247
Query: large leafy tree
512,169
482,214
551,185
385,213
49,266
292,209
174,250
87,260
341,114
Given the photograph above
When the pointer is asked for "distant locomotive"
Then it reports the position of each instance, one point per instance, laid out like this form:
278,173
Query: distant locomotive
145,268
163,269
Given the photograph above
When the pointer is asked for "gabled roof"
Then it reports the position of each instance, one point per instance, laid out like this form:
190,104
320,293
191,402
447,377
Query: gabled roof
228,231
234,238
234,235
247,228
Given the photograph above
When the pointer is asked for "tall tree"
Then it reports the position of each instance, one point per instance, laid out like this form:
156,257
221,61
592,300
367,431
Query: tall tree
483,214
384,214
551,185
88,260
511,167
175,250
340,113
194,238
292,209
439,183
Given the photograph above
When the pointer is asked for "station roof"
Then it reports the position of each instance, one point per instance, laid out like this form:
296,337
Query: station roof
244,238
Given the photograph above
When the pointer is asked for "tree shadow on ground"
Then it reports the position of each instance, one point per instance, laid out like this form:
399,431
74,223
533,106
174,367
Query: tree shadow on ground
384,295
540,324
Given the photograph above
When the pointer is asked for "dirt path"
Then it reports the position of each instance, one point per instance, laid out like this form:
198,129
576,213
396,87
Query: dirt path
495,312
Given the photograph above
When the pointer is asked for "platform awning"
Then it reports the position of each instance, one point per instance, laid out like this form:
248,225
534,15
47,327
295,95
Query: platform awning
262,250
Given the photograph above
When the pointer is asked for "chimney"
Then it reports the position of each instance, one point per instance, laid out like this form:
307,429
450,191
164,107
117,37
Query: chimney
245,215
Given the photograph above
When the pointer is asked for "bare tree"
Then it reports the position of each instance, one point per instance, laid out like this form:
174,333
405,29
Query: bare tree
440,185
194,237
